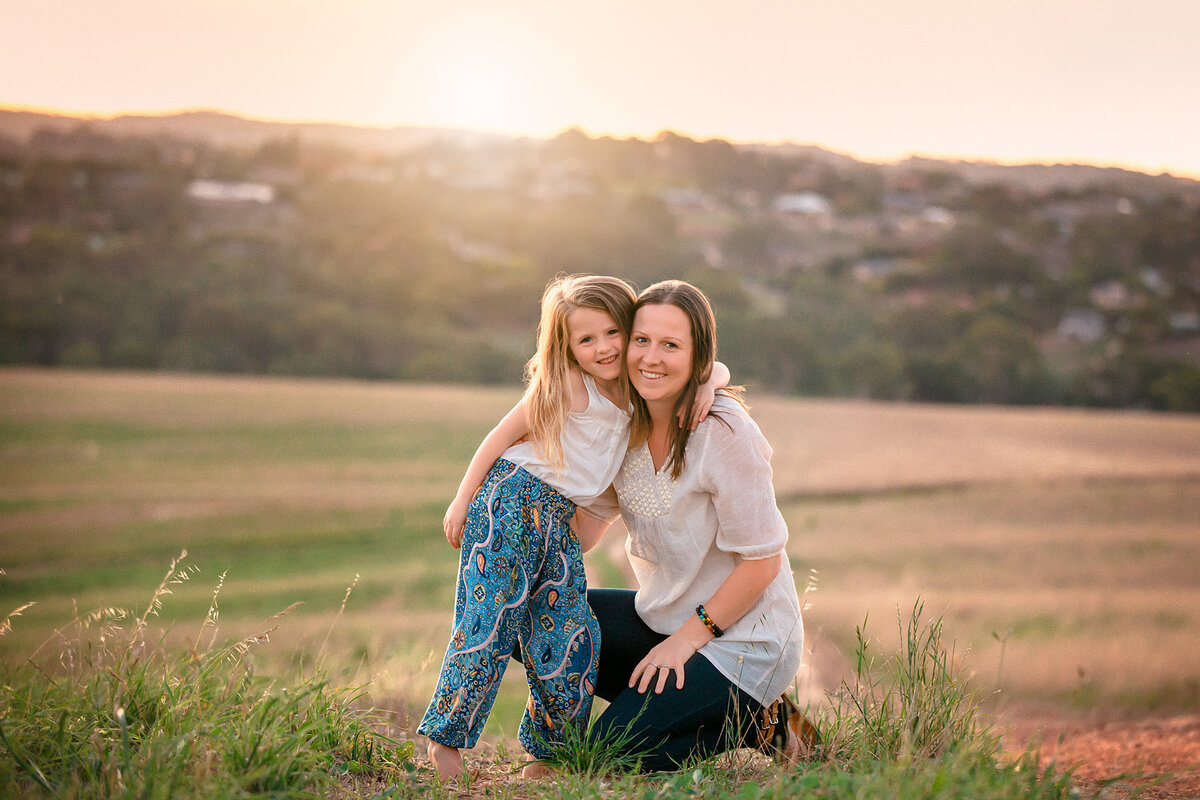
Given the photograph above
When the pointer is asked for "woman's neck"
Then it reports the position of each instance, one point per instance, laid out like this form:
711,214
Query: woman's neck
658,438
661,414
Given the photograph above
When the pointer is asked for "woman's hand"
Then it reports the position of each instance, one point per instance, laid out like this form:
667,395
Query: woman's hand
666,657
453,522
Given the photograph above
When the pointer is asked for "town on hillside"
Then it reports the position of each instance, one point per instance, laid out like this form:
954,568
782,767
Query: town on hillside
212,243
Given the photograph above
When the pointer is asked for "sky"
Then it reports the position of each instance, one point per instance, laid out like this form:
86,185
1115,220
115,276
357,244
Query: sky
1106,82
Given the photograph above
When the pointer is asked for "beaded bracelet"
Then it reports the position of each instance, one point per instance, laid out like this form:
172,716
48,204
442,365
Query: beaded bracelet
708,622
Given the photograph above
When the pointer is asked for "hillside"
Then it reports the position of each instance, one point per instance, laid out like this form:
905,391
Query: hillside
202,241
220,129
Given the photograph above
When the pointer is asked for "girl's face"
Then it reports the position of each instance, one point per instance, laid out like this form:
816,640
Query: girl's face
596,343
660,352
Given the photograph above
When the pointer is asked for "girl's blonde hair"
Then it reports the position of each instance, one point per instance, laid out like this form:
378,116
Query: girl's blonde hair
548,394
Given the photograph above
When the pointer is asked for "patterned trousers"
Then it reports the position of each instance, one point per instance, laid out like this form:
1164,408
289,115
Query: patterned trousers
520,578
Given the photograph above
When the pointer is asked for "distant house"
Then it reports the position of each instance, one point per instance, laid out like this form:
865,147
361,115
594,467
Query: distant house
1082,325
1184,321
366,173
1153,280
683,198
561,179
1111,296
936,215
869,269
803,211
231,192
802,203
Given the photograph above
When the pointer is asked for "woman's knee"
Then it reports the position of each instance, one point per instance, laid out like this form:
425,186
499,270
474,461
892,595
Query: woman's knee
628,724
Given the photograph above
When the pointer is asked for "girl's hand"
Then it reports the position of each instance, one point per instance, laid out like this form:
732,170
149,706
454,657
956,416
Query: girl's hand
666,657
453,522
706,394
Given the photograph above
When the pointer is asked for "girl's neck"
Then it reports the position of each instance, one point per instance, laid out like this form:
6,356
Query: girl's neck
611,389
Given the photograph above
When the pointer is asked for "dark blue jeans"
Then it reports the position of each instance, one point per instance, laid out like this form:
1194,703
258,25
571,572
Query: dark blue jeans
709,715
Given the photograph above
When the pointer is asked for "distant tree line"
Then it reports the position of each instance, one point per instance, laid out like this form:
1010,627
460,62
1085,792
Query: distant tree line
428,264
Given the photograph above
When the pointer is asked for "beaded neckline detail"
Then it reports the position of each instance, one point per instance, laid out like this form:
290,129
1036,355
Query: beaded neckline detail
644,491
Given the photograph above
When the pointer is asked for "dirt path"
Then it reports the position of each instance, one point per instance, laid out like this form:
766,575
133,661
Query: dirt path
1150,758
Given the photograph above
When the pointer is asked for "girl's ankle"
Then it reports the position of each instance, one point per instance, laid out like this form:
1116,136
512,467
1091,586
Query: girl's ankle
446,760
537,770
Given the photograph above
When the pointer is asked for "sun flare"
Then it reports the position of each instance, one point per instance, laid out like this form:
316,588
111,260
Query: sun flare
478,76
481,94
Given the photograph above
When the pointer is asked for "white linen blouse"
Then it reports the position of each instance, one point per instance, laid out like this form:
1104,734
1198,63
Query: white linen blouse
686,536
594,442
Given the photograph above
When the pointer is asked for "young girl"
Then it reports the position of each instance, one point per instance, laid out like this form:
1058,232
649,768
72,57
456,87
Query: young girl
520,575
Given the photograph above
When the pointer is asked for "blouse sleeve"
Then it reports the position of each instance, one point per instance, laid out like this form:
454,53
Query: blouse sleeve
736,471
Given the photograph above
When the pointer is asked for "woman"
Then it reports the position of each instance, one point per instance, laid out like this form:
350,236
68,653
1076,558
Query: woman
694,661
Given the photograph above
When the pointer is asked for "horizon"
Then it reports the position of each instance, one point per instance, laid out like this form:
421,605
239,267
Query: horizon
87,116
1007,82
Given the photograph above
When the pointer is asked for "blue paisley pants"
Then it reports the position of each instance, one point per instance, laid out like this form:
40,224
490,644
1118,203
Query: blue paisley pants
520,578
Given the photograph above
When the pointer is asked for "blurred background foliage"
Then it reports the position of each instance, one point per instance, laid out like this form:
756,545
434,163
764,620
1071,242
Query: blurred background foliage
289,254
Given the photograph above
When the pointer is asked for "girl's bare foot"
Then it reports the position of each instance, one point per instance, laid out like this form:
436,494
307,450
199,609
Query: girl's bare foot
536,770
447,761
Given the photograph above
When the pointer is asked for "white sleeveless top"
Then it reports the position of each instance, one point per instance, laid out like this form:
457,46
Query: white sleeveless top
594,442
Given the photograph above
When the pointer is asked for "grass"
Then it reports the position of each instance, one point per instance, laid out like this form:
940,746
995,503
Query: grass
104,710
1051,587
111,706
1056,546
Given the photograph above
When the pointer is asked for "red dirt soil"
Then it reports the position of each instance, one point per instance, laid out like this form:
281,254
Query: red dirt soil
1151,758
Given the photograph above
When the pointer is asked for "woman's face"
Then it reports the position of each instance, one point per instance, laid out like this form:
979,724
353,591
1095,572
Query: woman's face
659,354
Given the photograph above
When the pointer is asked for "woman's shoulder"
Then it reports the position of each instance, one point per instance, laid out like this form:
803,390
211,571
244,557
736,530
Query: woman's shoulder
730,409
731,445
728,421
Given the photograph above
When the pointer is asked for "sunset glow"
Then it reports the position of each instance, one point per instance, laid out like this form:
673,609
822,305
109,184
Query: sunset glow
1104,82
477,78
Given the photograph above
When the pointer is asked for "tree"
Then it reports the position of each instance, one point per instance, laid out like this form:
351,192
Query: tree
1002,362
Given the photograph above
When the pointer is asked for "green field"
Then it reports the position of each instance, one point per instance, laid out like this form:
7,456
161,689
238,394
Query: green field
1062,546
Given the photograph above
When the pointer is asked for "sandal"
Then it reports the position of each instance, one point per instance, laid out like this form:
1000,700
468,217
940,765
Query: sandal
785,734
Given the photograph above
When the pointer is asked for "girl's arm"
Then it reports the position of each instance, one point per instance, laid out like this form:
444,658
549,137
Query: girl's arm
706,394
592,521
729,603
589,528
513,427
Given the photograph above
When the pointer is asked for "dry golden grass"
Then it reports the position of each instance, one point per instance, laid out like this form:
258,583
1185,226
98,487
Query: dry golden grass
1062,545
1069,590
837,446
205,401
